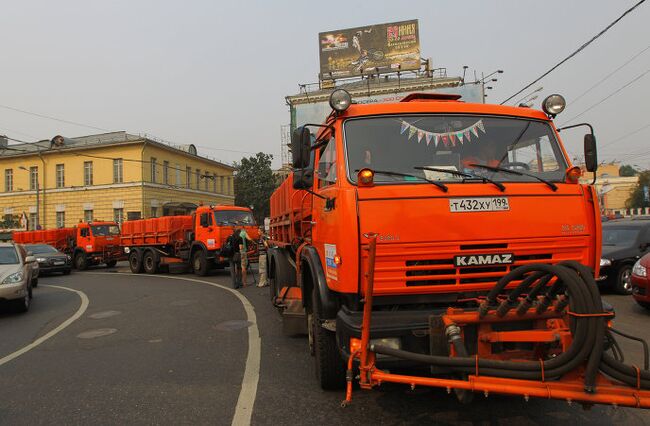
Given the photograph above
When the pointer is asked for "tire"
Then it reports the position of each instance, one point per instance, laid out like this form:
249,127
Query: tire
150,262
200,263
330,369
67,271
280,273
135,262
35,282
111,263
644,305
80,261
623,284
234,279
22,305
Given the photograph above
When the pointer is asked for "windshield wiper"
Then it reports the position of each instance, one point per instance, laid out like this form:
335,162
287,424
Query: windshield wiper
438,184
515,172
464,175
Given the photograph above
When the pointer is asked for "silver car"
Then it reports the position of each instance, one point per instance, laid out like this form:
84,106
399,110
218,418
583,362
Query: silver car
16,276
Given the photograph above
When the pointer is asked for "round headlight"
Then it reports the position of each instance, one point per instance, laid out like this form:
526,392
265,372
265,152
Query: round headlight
554,104
340,100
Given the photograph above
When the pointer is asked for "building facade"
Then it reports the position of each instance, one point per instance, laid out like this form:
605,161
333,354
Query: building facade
614,190
112,176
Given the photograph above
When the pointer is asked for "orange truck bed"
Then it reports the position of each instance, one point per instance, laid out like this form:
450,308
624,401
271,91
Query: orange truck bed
62,238
156,231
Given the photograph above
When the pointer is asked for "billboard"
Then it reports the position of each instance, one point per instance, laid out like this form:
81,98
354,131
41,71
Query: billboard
372,49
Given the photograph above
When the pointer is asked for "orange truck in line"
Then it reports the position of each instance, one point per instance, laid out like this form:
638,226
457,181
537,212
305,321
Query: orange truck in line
87,243
192,241
451,238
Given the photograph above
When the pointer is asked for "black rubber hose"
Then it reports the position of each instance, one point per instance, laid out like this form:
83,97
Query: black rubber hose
507,304
638,339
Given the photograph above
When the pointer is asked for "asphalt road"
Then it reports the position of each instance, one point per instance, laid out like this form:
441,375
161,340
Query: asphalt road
152,350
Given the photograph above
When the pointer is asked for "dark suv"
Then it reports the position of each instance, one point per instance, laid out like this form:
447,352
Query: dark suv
624,242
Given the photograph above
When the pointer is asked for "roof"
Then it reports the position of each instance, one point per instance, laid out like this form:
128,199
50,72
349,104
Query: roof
101,140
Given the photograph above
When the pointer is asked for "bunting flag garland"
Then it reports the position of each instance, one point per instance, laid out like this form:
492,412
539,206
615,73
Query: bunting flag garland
462,135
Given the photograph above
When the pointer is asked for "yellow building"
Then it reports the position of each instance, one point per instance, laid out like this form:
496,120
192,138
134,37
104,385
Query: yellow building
613,190
111,176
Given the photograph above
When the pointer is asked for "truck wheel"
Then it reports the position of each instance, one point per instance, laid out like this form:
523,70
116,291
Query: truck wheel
80,261
200,263
623,284
281,275
135,262
330,370
150,262
111,263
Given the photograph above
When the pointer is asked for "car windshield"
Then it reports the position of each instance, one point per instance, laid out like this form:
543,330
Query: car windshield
105,230
402,144
234,217
8,256
41,249
619,236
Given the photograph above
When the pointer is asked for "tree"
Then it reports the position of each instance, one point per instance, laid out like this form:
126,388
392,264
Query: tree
254,184
638,198
627,170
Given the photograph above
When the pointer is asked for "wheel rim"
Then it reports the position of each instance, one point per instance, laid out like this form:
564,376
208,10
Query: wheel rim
197,263
148,261
626,279
310,332
134,262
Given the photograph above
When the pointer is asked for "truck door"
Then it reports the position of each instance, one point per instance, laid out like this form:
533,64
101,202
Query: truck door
205,230
84,239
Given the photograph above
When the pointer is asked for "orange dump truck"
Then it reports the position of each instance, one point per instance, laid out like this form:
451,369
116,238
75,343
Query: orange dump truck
193,241
91,243
453,239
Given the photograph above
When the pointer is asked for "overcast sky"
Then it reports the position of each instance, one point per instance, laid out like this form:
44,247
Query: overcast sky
216,73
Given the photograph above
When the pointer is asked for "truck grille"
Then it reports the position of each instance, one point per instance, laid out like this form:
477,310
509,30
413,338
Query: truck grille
429,267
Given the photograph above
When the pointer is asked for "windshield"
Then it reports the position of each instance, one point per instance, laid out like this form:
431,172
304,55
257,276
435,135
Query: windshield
8,256
403,143
41,249
234,217
105,230
619,236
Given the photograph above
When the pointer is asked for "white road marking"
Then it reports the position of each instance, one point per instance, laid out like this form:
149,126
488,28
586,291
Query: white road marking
63,325
248,392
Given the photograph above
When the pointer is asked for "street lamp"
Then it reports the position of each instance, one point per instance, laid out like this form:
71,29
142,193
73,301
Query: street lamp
38,207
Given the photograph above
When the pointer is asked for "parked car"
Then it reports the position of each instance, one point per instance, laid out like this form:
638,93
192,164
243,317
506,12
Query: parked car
624,242
50,259
641,281
16,276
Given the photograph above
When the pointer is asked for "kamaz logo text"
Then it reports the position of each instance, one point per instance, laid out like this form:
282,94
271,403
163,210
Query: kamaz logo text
484,259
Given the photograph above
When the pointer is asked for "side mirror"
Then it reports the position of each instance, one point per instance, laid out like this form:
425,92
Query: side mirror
303,179
300,147
30,259
591,154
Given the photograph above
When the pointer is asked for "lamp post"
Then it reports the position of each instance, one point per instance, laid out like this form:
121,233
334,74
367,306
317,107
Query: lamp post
38,207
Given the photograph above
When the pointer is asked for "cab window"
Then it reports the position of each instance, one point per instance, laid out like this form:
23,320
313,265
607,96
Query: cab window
327,165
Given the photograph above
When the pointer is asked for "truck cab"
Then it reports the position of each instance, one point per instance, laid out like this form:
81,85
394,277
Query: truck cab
96,242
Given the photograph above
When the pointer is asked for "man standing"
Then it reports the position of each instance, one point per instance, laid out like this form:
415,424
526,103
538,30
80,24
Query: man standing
263,245
243,253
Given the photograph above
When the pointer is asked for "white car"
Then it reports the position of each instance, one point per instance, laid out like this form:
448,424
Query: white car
16,276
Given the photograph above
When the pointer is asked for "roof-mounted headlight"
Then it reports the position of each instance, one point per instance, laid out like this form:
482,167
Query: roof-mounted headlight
554,104
340,100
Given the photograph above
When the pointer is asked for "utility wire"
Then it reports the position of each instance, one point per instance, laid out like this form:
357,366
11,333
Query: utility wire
625,136
55,118
608,96
577,51
608,76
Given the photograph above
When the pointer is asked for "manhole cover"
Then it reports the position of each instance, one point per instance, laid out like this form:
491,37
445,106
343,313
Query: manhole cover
91,334
182,302
233,325
105,314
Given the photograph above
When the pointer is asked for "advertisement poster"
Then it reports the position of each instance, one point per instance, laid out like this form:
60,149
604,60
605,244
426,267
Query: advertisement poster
372,49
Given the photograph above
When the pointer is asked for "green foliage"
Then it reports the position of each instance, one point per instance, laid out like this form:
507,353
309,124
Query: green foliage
627,170
637,198
254,184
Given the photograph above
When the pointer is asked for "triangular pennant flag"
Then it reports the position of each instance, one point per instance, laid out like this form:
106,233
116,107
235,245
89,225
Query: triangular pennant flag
473,129
412,131
453,139
428,137
466,133
420,135
480,126
445,141
436,139
459,135
405,126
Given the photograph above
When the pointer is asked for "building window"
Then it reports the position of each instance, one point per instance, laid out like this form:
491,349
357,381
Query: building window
117,171
154,212
188,177
88,215
214,182
165,172
32,222
88,173
60,219
229,185
60,175
154,176
222,184
118,215
178,174
33,178
9,180
133,216
206,178
198,178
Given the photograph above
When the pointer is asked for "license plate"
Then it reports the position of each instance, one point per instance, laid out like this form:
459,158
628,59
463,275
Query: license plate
59,262
482,204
